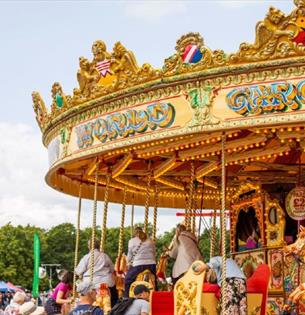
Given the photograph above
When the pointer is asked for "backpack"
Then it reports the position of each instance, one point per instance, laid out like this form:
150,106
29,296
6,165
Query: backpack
121,307
90,310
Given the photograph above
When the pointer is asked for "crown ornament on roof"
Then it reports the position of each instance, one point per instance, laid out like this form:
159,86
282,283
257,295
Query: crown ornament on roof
113,75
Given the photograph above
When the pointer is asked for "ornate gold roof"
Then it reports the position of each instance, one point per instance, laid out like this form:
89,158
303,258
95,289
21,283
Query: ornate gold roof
133,122
116,75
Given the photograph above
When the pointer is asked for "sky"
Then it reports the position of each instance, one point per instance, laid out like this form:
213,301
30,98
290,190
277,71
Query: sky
41,42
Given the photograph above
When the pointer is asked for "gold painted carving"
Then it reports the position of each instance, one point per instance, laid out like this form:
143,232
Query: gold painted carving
186,301
112,80
274,37
39,109
188,291
109,72
275,222
174,65
201,100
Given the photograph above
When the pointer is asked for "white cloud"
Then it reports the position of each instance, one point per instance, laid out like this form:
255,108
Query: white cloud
241,3
25,197
153,10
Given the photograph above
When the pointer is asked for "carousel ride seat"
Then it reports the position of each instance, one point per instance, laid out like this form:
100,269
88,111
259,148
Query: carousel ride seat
163,303
257,288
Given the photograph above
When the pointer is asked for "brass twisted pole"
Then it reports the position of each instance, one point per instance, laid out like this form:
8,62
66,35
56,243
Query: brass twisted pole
132,216
105,213
190,198
154,231
93,234
193,211
122,234
213,235
147,199
223,227
77,239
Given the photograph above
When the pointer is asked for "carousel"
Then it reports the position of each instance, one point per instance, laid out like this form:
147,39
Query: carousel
210,130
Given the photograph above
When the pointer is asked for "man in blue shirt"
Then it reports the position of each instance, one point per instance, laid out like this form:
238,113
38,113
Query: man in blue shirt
87,296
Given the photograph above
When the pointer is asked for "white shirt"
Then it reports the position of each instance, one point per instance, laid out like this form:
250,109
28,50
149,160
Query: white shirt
103,268
141,255
137,307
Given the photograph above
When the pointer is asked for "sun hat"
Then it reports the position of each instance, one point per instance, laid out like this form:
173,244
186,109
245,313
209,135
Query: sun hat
84,287
27,308
19,297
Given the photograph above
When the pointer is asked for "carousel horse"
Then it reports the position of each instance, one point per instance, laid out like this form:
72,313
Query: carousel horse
103,299
297,251
147,276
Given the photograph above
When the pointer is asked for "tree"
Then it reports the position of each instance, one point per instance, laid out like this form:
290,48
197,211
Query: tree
16,253
60,245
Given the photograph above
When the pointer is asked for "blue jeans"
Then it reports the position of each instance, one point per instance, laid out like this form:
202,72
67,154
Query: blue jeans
132,274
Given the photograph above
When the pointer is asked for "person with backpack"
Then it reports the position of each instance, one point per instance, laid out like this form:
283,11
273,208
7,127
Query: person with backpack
134,306
87,296
103,272
141,256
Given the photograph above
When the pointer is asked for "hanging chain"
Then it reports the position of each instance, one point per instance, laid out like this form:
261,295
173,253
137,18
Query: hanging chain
154,232
77,239
190,198
93,234
213,235
147,199
104,225
223,227
121,237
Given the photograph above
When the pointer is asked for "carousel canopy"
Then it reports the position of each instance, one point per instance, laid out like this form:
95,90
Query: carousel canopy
139,127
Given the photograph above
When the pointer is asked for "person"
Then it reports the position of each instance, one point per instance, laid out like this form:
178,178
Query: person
1,301
103,271
236,284
185,250
140,306
141,256
252,241
8,298
39,311
59,297
27,308
16,302
87,296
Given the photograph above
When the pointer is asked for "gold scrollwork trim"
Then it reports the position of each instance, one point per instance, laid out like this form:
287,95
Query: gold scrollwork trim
105,105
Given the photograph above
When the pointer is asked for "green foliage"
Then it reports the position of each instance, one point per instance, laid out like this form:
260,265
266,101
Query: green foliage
58,246
16,252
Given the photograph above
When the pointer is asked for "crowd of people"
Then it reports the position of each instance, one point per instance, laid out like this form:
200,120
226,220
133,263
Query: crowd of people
141,257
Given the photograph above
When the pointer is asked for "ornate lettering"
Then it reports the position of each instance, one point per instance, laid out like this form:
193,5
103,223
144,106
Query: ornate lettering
84,135
264,99
125,124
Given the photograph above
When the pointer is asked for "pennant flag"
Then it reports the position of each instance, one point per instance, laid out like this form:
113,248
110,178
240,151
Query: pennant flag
103,67
35,289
